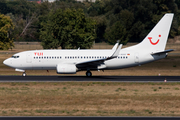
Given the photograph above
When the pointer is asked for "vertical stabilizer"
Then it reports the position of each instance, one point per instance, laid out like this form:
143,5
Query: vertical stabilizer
156,40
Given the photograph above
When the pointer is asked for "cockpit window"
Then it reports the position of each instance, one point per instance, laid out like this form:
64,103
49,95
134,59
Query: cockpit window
15,57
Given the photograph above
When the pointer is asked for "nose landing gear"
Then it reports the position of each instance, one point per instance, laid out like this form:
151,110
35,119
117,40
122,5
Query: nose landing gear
24,74
88,73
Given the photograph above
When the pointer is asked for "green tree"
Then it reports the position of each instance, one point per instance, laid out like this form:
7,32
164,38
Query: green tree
5,25
67,29
20,7
117,32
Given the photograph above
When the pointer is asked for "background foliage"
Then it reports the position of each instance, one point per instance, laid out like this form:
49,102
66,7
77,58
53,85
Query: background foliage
5,26
128,20
67,28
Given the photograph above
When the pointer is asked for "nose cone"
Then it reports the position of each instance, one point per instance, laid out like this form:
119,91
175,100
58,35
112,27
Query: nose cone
6,62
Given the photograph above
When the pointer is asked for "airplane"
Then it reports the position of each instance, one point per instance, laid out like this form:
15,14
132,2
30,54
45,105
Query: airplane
152,48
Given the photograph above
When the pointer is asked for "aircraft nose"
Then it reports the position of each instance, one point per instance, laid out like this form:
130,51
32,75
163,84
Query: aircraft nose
5,62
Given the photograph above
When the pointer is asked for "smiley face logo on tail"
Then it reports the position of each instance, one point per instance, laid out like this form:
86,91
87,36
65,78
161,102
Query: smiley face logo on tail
150,39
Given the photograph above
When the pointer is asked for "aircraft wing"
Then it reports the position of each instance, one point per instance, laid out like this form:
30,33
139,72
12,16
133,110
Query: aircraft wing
99,61
166,51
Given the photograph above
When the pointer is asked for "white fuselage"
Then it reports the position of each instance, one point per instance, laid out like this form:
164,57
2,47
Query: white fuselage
49,59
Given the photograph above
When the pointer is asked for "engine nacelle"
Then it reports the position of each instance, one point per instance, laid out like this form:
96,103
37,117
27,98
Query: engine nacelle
66,69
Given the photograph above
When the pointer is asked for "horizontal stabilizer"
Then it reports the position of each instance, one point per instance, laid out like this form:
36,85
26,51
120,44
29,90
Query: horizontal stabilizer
166,51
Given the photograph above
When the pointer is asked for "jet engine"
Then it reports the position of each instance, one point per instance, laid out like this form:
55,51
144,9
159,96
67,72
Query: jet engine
66,69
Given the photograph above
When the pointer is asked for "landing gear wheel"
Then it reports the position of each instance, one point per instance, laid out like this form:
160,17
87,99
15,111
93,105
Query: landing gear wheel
88,74
24,74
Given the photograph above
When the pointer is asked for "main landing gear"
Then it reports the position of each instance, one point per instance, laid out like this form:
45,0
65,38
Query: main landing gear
24,74
88,73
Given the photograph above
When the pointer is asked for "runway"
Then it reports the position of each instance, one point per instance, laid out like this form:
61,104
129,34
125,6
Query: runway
88,79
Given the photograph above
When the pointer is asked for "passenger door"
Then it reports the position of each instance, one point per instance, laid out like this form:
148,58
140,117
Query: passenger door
29,58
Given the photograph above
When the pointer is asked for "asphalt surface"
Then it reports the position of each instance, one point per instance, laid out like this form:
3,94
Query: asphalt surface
88,79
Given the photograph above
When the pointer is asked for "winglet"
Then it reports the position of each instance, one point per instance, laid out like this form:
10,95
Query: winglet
116,45
116,53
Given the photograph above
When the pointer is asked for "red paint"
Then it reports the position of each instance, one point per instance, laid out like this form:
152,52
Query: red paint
38,54
150,39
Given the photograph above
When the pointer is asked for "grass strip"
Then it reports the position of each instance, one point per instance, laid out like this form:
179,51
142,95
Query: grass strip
89,99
